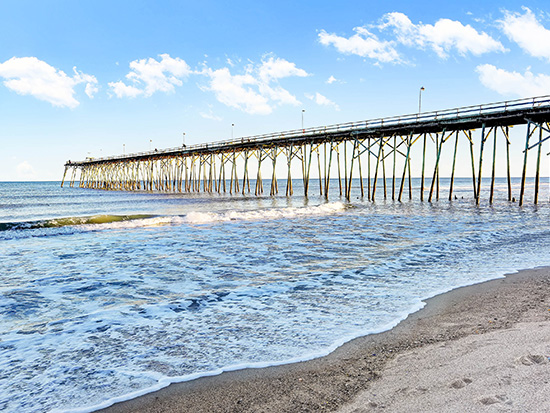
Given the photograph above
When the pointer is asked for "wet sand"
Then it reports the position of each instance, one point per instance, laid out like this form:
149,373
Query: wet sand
479,348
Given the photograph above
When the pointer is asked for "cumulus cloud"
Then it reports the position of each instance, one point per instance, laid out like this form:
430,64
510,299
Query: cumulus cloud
148,76
236,91
513,83
527,32
31,76
257,90
363,43
442,37
322,100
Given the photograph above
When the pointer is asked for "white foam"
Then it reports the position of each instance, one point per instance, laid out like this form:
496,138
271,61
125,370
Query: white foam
164,381
134,223
191,218
200,218
264,214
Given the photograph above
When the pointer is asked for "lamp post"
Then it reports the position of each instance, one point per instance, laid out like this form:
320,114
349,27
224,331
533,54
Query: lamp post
303,130
124,149
232,129
420,99
183,140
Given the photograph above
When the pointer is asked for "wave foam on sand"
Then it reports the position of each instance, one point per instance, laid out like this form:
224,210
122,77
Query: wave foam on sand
486,344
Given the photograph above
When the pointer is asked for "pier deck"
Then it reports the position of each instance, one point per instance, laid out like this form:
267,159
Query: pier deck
380,141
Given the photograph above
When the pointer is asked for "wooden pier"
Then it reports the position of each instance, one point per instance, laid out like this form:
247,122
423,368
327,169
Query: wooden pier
368,148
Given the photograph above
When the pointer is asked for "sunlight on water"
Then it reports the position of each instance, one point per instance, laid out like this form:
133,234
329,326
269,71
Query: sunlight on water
108,294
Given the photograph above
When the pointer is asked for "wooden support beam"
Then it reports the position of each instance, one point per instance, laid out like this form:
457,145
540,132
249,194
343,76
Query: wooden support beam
404,172
339,174
482,144
394,160
524,173
245,173
348,193
327,176
537,173
384,174
63,180
453,169
346,169
369,146
289,190
376,169
423,169
508,163
274,187
320,176
360,174
491,195
439,145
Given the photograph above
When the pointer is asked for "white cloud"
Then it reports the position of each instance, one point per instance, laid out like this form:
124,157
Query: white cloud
332,80
276,68
527,32
25,171
236,91
121,90
363,43
91,90
256,91
31,76
278,94
322,100
149,76
513,83
444,36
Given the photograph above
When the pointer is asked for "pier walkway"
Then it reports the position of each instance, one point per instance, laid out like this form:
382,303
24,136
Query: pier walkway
366,148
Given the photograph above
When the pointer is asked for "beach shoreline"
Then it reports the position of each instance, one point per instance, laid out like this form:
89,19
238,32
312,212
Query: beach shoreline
343,379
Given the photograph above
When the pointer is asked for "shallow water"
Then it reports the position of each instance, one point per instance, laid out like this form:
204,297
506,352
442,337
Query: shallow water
106,295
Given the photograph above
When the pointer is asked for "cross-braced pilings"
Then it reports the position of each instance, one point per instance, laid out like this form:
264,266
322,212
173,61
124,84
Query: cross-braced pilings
378,151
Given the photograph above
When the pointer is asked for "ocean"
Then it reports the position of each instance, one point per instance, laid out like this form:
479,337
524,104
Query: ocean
105,296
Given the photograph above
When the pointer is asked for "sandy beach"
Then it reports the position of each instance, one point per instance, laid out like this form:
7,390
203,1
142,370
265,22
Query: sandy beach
484,347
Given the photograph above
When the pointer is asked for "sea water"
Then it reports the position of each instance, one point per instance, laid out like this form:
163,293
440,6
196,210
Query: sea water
108,295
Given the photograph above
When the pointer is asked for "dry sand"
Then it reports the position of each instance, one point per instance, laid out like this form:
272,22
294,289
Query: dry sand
482,348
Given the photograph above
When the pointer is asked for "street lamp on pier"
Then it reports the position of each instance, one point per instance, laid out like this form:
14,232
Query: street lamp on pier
420,99
303,130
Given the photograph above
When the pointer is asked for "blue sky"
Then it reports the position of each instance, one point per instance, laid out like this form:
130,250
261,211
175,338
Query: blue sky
84,79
